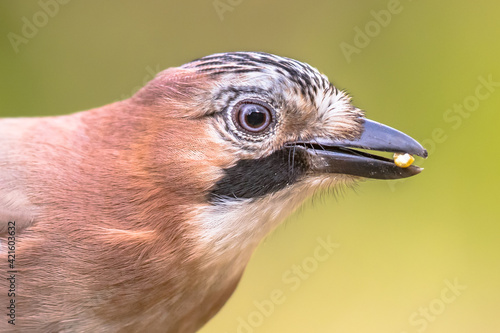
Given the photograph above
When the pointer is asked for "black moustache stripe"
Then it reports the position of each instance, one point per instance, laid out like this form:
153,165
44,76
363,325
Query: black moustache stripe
259,177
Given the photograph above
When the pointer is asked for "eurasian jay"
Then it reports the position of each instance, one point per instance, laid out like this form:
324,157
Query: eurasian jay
141,215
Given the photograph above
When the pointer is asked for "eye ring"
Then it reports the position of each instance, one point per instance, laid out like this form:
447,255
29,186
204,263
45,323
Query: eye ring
253,116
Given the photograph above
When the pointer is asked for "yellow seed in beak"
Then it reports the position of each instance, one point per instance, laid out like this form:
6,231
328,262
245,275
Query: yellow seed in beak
403,160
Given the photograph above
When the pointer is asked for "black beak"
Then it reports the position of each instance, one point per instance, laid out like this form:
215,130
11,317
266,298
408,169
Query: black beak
337,156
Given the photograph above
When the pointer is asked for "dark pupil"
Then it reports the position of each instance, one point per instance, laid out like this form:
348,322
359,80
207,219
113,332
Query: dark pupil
255,118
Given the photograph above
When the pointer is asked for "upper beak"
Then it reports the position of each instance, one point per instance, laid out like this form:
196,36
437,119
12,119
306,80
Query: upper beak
336,156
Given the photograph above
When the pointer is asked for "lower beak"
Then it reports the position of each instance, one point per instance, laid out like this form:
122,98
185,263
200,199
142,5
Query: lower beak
338,156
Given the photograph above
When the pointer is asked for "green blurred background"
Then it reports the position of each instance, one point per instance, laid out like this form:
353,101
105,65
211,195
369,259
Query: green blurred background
421,255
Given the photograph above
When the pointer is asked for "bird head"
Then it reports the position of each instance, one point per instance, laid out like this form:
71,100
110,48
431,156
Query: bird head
157,202
255,134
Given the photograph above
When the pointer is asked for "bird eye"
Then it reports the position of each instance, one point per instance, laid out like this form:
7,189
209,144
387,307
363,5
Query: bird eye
253,116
